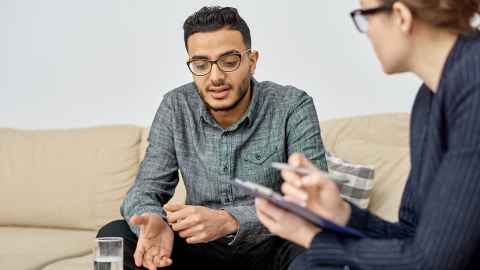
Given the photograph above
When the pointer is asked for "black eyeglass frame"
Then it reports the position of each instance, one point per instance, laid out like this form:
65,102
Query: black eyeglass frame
367,12
211,62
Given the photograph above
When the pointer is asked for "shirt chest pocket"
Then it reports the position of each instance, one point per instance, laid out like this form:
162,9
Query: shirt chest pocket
256,165
259,155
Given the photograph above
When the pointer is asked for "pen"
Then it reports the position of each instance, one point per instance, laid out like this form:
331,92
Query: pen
304,171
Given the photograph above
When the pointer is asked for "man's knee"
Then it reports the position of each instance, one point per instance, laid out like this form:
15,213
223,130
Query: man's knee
117,228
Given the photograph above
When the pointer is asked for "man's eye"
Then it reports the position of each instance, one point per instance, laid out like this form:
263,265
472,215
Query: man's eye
200,65
230,64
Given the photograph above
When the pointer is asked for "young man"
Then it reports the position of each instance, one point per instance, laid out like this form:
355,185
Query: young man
223,125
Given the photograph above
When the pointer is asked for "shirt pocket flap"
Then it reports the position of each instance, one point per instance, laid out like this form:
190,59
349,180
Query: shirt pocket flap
261,155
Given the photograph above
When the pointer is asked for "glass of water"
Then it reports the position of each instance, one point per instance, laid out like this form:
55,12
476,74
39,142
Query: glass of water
108,253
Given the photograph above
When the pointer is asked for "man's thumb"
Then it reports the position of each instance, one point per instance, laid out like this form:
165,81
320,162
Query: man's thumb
172,207
139,220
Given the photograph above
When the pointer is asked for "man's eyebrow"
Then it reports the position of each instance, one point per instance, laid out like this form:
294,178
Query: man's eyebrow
204,57
199,57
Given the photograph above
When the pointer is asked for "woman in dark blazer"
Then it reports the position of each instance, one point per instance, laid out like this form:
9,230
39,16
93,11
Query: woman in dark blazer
439,218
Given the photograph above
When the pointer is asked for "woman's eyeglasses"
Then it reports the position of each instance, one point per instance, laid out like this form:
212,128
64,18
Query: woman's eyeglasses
360,16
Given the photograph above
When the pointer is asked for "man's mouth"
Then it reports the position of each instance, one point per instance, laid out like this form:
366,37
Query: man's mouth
219,92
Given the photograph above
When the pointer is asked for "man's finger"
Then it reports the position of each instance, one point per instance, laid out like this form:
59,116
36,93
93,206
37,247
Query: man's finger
173,207
139,220
138,255
185,223
149,264
196,239
179,215
191,231
165,253
162,261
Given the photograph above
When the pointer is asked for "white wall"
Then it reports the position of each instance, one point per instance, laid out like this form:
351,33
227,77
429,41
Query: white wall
82,63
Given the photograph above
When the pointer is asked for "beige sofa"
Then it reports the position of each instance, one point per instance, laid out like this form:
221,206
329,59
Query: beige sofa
59,186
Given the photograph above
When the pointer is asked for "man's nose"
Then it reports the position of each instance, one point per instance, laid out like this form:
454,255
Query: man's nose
216,74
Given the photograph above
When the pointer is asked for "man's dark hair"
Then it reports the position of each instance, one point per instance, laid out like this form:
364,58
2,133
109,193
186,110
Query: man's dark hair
209,19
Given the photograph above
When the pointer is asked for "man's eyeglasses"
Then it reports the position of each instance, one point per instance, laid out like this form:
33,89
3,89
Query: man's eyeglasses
360,16
226,63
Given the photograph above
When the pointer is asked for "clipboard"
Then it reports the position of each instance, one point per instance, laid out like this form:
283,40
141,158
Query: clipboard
278,200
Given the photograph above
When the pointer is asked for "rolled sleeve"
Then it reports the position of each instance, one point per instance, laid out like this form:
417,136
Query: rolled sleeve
250,229
158,173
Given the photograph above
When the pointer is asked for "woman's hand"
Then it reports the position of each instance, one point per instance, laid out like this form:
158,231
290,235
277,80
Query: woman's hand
315,191
285,224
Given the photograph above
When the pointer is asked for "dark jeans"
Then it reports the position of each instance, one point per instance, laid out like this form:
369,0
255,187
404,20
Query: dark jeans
274,253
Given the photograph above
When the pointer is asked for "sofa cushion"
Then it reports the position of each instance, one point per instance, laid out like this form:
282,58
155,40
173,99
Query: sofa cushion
358,187
77,263
73,178
24,248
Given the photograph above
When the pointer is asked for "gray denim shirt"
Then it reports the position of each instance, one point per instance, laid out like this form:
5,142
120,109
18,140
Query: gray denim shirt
184,137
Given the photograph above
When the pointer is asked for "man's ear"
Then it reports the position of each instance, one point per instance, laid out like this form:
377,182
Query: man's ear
253,58
403,17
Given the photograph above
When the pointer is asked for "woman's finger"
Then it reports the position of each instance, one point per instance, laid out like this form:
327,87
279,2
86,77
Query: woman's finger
295,201
262,214
292,178
316,179
293,191
299,160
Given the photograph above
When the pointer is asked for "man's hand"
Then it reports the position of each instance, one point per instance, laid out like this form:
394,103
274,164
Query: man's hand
155,242
198,224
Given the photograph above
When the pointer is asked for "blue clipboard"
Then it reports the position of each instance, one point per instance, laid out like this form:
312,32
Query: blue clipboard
278,200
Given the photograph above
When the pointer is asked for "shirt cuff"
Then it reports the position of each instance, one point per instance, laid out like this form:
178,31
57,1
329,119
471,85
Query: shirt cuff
250,229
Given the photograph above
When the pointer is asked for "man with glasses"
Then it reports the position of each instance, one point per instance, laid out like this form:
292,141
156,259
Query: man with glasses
222,126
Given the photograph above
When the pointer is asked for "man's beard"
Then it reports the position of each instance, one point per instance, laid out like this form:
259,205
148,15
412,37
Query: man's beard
243,92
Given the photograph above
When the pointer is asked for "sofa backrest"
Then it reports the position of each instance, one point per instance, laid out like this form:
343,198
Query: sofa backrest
78,178
73,178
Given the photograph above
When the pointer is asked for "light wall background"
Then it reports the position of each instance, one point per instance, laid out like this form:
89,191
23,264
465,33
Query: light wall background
66,63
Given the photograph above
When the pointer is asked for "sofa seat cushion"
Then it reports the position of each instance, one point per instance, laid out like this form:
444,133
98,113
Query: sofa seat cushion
77,263
23,248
